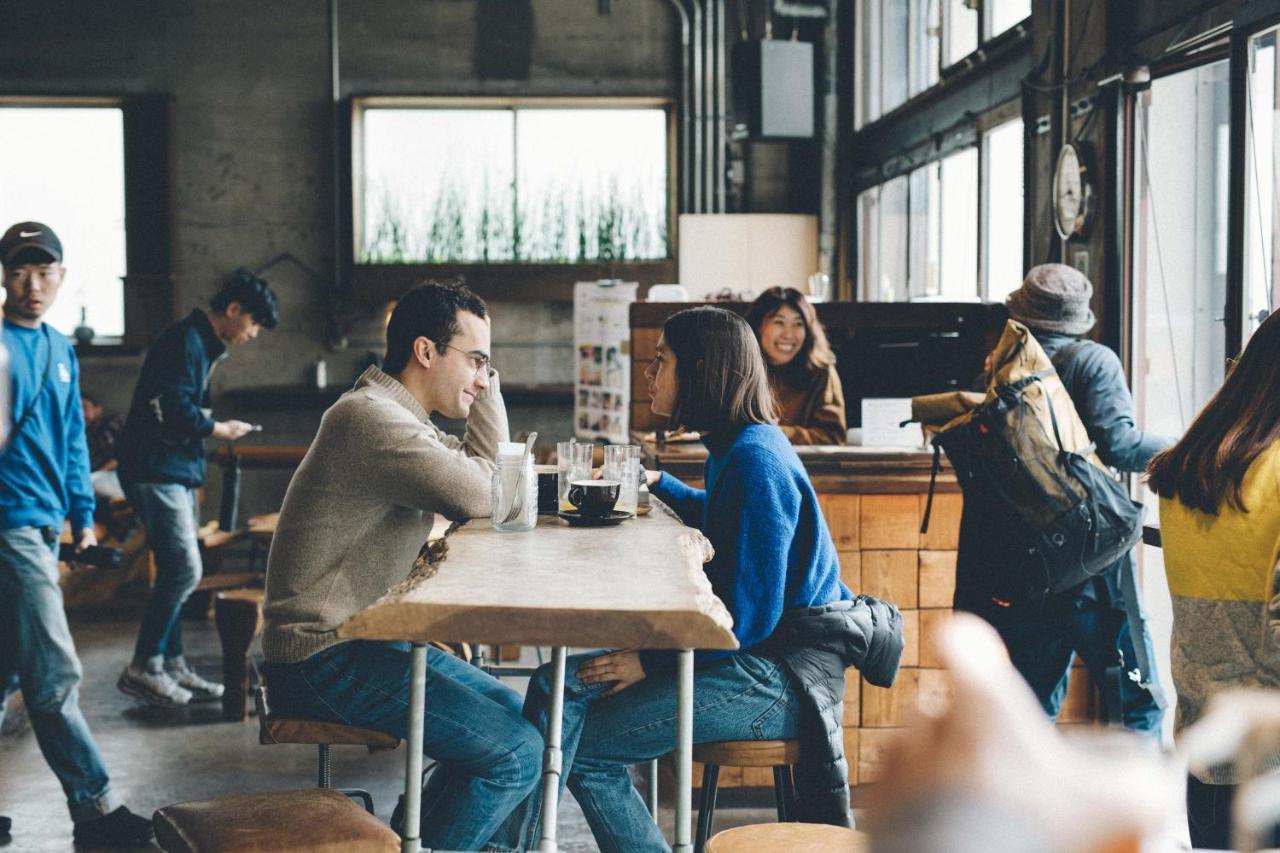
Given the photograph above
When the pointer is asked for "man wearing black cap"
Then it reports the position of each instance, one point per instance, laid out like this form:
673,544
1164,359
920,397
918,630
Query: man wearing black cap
44,481
161,464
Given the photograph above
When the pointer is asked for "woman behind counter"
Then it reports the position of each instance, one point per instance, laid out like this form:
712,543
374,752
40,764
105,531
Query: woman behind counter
802,367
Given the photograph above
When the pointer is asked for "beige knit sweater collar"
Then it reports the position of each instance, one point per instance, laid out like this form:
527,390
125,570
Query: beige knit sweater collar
374,376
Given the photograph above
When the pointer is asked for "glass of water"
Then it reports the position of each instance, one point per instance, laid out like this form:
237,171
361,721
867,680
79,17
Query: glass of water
622,463
573,462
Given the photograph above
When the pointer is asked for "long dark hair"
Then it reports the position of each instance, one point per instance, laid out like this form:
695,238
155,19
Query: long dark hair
815,353
720,372
1243,419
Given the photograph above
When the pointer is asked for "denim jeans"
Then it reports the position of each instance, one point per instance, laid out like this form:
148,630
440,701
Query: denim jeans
35,642
1042,649
489,755
168,512
744,697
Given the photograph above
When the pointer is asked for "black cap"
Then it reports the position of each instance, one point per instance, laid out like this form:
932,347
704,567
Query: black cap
30,235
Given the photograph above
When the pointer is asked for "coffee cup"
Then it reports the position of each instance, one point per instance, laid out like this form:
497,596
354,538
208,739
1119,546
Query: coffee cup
594,498
548,494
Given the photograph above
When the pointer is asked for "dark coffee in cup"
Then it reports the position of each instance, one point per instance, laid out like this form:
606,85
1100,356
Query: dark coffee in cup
594,498
548,488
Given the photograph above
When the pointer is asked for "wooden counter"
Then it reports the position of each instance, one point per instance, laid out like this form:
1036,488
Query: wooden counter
873,500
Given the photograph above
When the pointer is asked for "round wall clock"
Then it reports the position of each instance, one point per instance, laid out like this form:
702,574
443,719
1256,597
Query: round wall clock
1072,193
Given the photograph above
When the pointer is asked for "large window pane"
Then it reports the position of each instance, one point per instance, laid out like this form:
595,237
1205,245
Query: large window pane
1003,14
1261,276
485,185
959,31
895,54
959,245
64,166
1002,196
925,44
1180,245
926,218
894,219
869,244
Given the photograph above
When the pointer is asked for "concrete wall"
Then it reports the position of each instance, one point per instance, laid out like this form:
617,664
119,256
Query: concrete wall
250,141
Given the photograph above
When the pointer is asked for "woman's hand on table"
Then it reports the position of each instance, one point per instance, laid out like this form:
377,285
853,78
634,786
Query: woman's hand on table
622,668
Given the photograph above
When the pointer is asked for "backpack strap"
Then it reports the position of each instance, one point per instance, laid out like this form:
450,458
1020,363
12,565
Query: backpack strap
933,482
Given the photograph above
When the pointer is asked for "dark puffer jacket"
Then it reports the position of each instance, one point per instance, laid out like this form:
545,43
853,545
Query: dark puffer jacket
815,645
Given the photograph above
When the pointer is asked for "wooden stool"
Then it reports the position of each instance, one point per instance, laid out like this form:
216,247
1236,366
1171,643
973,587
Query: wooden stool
781,755
771,837
238,615
275,728
310,820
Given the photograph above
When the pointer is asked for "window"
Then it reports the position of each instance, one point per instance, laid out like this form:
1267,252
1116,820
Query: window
1262,202
1002,199
64,166
944,201
903,45
473,184
1180,244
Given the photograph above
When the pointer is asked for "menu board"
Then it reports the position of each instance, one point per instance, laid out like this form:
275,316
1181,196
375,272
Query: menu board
602,359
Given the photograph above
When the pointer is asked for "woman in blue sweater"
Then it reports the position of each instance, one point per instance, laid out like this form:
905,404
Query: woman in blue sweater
773,553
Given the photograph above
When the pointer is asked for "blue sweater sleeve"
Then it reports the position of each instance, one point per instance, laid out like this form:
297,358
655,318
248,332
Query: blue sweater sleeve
689,503
756,509
1106,408
79,480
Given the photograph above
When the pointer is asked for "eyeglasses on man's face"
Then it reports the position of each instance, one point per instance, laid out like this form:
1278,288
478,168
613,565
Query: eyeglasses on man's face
481,364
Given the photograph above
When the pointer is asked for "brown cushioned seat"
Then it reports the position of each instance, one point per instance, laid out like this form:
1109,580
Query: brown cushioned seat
772,837
314,820
276,729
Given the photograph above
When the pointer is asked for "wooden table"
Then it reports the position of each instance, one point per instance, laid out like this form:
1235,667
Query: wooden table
637,585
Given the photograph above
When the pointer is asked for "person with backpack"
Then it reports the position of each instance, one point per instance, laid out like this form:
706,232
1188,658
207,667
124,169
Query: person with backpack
1219,491
1101,619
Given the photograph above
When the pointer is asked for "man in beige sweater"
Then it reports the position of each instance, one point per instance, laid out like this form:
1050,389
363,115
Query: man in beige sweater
356,514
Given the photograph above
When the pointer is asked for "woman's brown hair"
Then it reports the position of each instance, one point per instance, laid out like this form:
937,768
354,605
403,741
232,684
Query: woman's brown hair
722,384
815,353
1208,465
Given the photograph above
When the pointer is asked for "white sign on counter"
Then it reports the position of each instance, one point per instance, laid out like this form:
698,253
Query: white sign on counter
602,365
881,419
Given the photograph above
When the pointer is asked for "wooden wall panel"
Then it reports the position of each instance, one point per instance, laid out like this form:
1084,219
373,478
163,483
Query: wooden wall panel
890,521
930,620
944,522
872,745
851,570
887,707
842,516
892,576
911,638
937,578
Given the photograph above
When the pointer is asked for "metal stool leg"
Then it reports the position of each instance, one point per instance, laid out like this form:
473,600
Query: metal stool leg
653,789
324,769
359,794
706,805
783,793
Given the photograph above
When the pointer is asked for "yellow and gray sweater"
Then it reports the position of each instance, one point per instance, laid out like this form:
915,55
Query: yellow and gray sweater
1222,572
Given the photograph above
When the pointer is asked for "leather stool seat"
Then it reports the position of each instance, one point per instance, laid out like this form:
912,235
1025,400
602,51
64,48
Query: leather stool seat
313,820
772,837
278,729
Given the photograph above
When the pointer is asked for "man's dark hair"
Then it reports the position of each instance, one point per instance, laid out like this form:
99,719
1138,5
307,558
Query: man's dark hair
253,295
429,310
722,385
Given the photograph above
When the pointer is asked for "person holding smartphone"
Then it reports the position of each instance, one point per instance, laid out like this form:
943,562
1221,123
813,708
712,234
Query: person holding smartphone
161,464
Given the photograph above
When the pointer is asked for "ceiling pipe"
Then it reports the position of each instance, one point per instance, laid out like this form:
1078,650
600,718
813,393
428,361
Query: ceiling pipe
722,129
696,78
686,85
788,9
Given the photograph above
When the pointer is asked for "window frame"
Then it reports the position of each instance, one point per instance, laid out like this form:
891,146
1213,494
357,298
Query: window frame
148,291
507,280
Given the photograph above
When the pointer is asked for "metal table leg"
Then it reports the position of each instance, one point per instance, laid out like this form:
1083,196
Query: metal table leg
413,761
653,789
552,757
684,751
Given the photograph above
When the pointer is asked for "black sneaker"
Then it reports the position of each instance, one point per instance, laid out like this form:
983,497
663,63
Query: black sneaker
121,828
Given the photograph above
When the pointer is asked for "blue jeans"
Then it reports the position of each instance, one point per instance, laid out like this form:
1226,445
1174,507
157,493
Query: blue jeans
168,512
35,642
744,697
1042,649
489,755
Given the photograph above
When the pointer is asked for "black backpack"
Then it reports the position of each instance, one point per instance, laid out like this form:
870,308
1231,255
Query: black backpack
1069,515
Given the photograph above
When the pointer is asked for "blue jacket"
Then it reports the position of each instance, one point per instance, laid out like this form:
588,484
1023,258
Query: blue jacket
773,551
1094,378
44,472
168,421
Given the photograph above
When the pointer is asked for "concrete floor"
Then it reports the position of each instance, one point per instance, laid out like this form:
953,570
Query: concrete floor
161,756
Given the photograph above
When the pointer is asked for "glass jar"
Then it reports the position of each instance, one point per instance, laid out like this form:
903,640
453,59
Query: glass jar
513,502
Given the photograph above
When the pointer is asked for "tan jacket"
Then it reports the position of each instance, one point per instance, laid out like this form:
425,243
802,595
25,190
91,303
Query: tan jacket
810,412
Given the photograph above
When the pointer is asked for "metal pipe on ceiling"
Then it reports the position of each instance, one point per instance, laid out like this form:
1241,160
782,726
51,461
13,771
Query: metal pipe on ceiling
696,75
686,84
722,129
